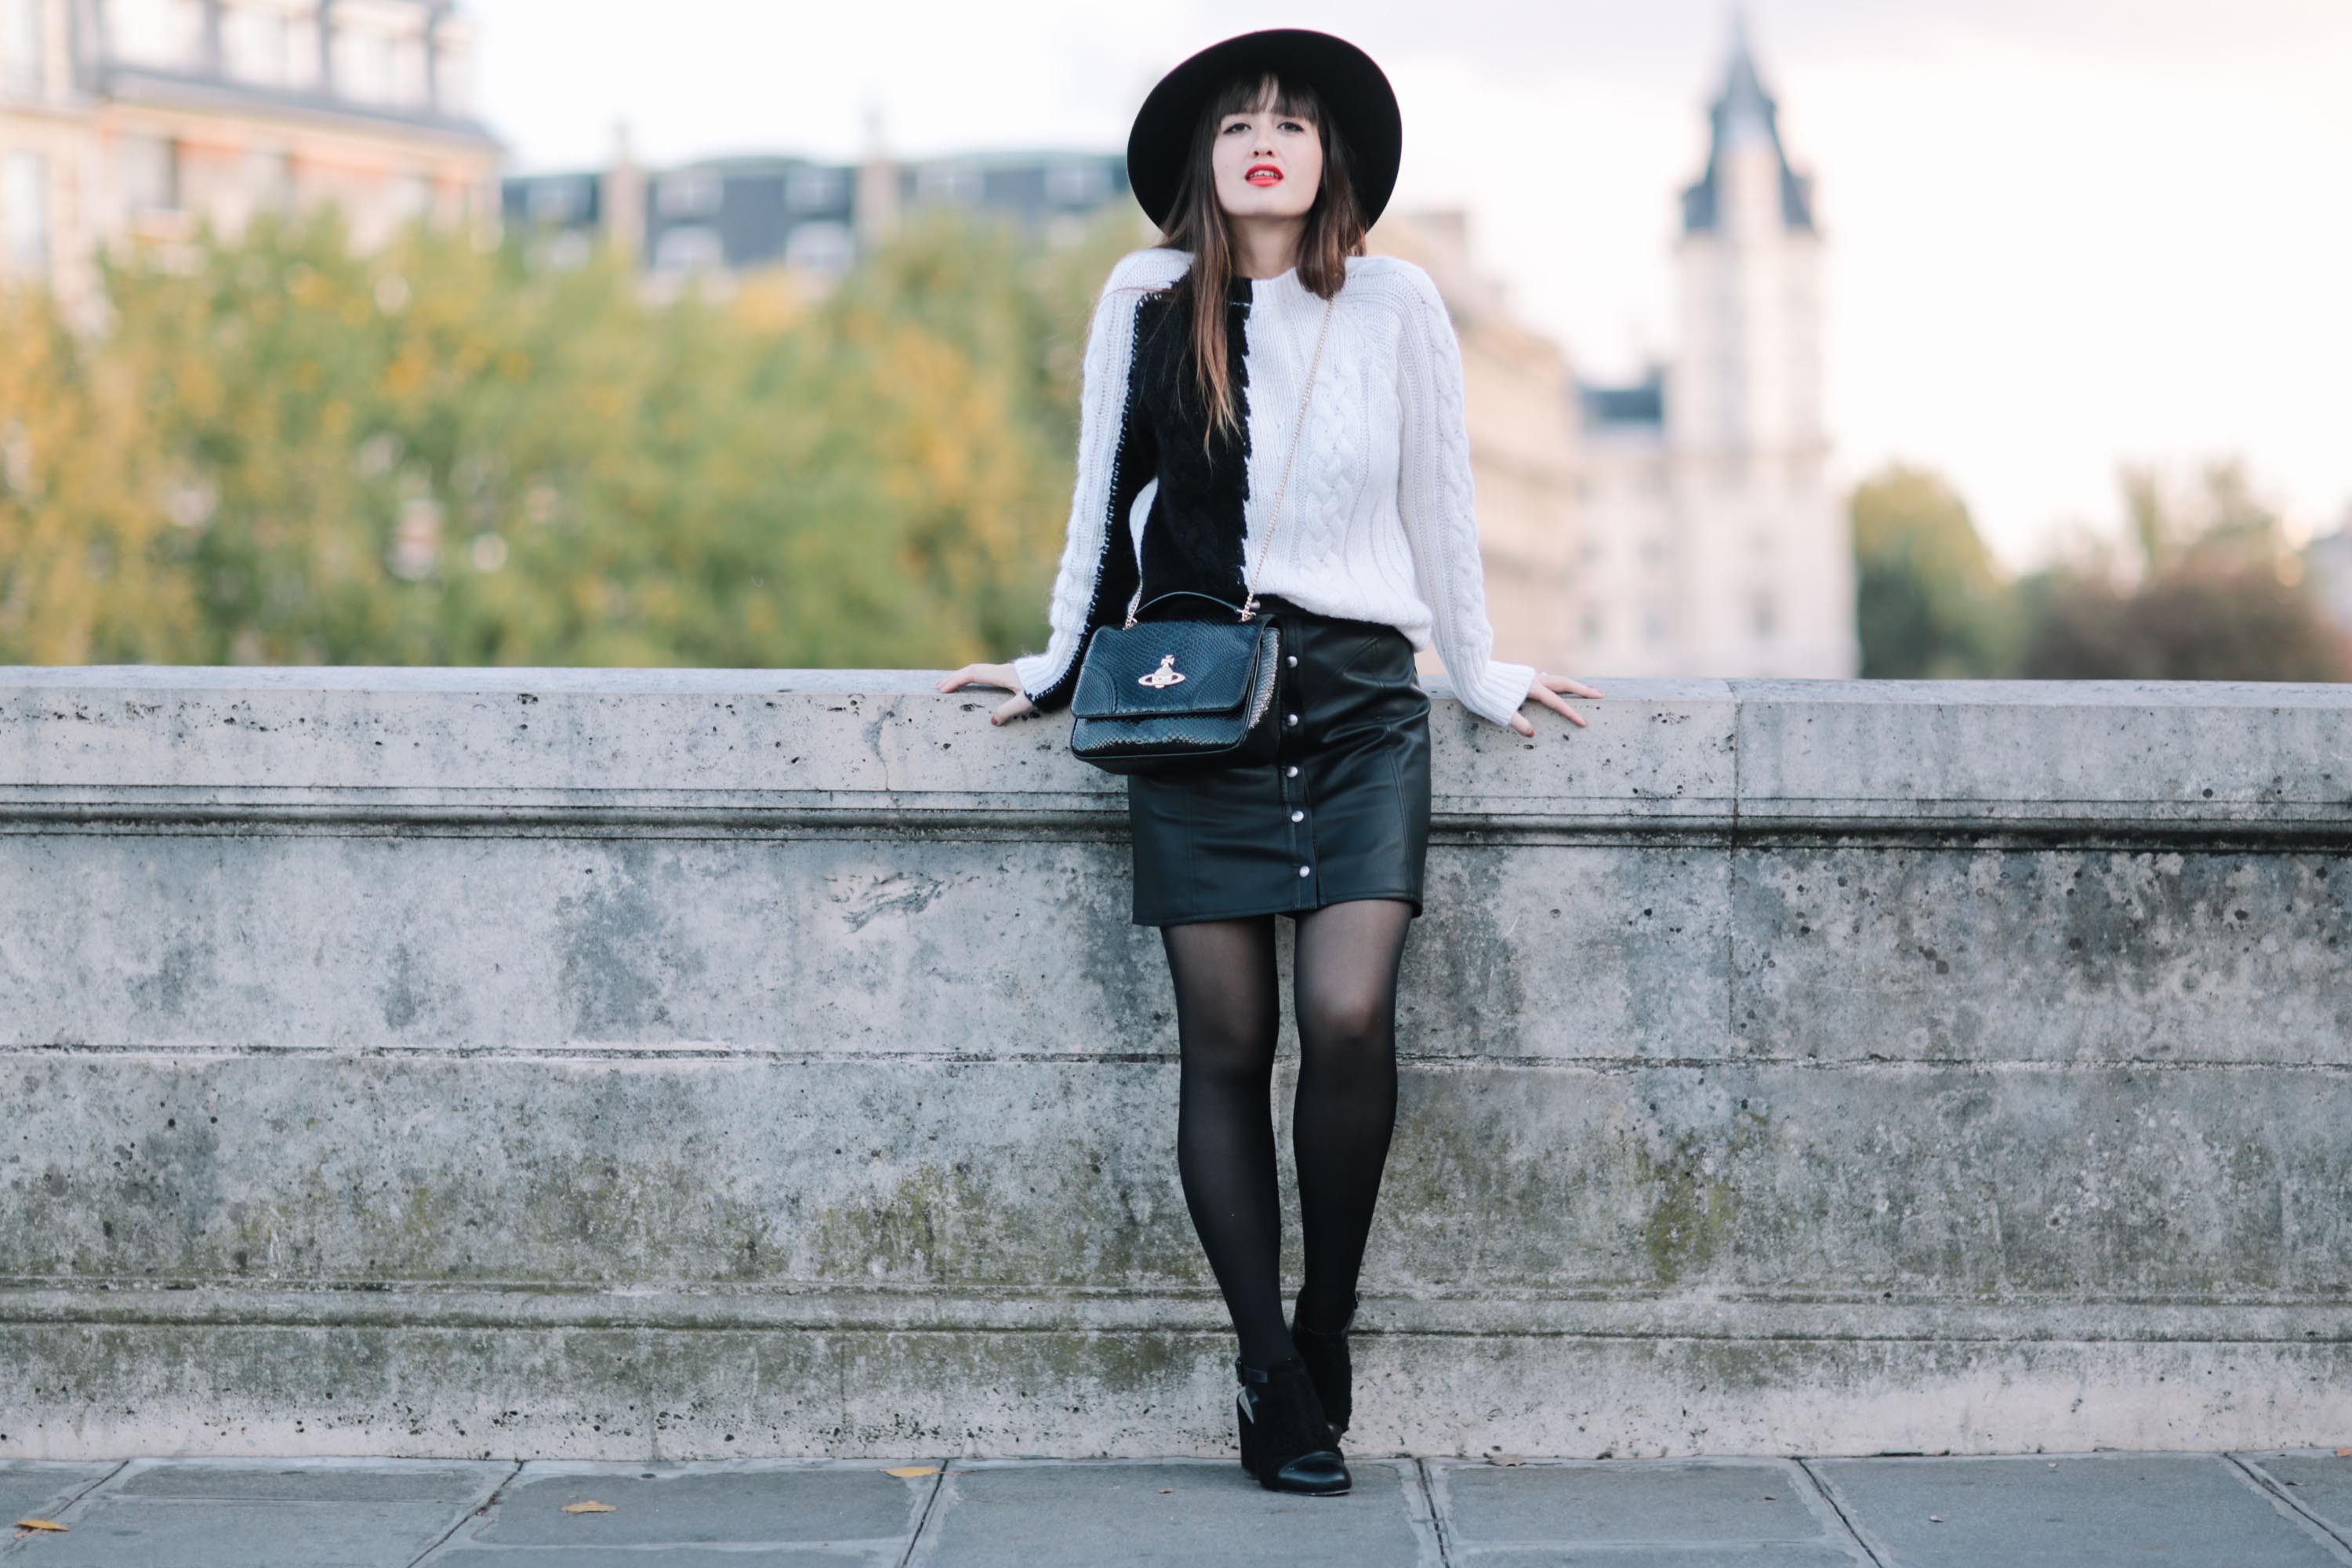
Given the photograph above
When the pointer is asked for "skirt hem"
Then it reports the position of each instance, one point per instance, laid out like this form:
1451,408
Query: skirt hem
1400,894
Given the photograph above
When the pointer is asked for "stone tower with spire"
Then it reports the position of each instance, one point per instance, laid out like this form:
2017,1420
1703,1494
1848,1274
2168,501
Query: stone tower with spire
1769,578
1711,541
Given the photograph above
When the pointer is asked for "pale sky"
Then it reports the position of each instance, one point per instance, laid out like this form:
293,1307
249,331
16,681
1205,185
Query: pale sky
2061,234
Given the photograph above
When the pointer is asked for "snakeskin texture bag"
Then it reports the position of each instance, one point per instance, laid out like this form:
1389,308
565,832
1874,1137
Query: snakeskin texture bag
1183,695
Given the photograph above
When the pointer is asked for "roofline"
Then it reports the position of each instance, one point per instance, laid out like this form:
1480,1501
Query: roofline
145,87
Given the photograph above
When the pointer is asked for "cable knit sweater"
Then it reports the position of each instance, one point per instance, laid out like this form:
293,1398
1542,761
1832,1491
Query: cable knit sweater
1378,523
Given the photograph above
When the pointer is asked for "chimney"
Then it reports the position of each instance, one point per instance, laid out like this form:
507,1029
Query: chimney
877,201
621,204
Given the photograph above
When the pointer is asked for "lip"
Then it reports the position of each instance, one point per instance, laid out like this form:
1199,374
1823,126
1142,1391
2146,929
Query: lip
1251,174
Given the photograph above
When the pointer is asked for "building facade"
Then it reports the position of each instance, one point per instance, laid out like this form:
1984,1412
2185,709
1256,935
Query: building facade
133,121
731,214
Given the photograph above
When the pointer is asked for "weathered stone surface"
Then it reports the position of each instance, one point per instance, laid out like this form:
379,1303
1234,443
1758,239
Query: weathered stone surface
2158,955
1983,1184
619,1063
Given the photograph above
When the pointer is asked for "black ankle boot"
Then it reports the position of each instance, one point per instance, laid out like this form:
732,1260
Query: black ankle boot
1325,1351
1285,1442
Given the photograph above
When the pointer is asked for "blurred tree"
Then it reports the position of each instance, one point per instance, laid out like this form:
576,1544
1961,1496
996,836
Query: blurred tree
86,546
282,452
2209,590
1931,602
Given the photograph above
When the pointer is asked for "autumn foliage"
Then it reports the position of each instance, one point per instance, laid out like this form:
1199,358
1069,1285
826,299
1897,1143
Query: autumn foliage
278,451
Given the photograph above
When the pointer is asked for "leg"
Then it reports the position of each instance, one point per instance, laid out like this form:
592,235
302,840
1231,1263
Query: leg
1344,974
1227,1012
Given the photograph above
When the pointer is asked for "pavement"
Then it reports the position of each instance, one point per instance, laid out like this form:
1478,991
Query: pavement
2247,1509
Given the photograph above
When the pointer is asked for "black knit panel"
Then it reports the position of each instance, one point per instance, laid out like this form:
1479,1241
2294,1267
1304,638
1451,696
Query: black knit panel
1134,460
1192,535
1193,538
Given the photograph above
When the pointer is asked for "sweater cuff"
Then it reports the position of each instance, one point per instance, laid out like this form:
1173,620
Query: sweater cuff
1499,692
1036,672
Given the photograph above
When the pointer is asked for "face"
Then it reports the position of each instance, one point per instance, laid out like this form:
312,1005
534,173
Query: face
1266,163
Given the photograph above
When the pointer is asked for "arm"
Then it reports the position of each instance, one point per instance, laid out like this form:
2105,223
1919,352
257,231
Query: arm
1116,458
1433,498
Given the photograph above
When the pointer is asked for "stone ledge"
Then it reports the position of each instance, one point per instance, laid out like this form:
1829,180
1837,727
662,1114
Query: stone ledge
884,749
600,1063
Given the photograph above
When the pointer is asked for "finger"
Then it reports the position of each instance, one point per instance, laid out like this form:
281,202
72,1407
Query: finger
1556,703
1576,688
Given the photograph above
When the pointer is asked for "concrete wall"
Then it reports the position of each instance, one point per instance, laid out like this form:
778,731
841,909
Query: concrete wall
706,1063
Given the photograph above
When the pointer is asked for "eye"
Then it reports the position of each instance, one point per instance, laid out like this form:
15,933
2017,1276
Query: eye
1292,125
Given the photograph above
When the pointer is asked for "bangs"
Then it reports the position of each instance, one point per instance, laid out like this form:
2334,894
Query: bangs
1266,90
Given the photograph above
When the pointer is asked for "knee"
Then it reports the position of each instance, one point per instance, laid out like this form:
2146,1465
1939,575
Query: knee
1244,1053
1347,1025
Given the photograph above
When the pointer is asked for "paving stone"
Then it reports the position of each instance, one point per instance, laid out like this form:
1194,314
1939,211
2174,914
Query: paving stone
1170,1513
1678,1503
267,1514
146,1533
39,1486
2083,1511
311,1481
840,1504
884,1557
2316,1478
1737,1554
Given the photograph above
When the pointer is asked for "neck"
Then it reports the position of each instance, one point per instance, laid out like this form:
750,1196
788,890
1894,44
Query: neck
1266,247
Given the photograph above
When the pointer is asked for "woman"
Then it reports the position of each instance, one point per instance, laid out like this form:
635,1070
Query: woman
1264,159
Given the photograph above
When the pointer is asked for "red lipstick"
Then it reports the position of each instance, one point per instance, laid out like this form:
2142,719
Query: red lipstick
1262,174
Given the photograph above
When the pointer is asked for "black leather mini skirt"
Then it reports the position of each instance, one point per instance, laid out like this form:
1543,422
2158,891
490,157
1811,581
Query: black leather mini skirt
1342,812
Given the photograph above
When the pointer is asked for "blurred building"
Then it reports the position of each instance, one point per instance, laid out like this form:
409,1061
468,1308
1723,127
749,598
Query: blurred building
731,214
140,119
1520,404
2327,564
1708,539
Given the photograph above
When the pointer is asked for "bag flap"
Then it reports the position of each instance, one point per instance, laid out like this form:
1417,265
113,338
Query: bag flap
1218,662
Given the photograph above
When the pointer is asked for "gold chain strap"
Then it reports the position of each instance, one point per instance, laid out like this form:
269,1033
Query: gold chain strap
1298,432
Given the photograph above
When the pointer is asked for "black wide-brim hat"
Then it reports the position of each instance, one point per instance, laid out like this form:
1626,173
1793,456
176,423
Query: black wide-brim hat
1356,91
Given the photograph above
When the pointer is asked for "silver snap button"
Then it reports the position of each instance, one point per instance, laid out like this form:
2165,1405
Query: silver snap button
1290,719
1292,659
1293,770
1302,870
1297,817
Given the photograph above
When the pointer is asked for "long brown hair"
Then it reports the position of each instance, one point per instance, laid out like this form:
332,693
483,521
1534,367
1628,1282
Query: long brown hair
1334,232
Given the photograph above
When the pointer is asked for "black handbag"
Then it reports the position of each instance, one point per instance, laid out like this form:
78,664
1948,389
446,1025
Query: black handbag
1179,695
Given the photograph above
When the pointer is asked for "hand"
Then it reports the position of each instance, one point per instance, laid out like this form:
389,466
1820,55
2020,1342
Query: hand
992,675
1543,687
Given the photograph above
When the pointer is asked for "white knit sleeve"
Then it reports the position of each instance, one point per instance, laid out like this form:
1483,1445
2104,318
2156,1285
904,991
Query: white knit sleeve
1099,567
1434,499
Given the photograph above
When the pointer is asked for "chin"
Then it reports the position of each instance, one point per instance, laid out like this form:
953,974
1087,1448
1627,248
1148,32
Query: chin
1265,204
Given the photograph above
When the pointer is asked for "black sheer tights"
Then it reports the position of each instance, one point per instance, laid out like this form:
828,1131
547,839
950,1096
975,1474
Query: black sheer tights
1343,989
